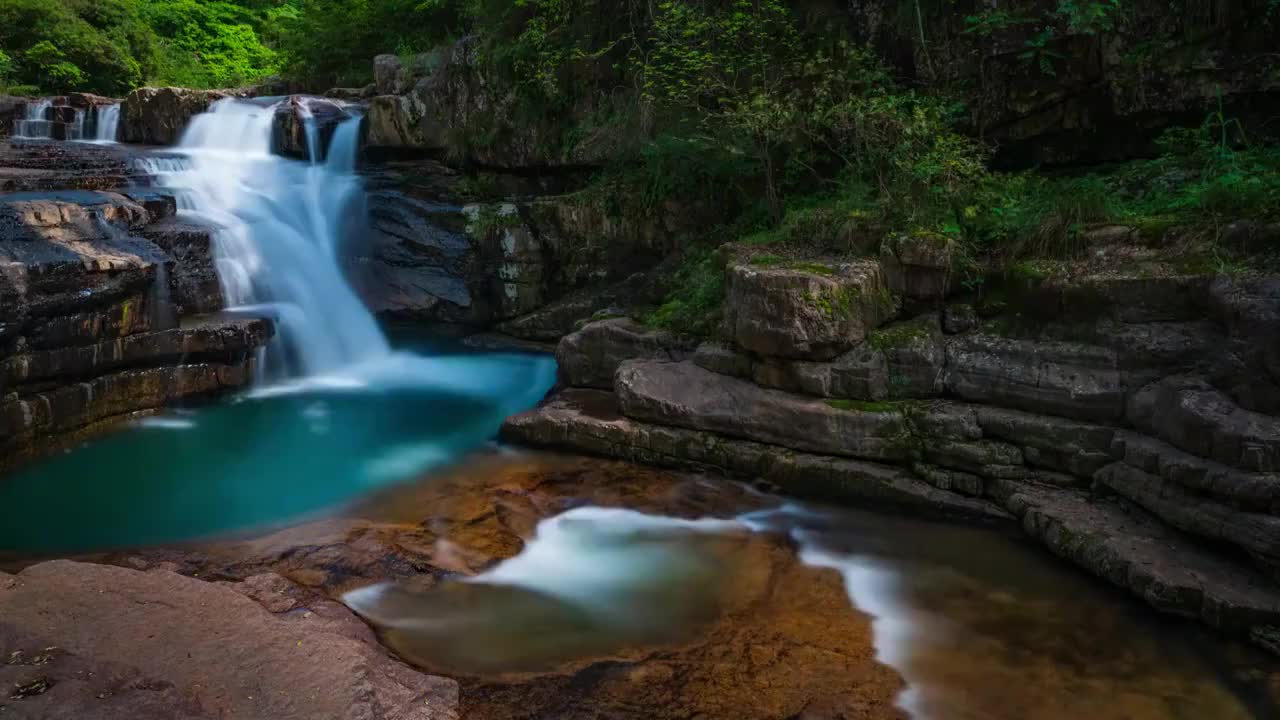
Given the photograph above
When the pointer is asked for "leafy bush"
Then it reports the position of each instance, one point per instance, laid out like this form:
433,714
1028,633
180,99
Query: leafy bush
693,306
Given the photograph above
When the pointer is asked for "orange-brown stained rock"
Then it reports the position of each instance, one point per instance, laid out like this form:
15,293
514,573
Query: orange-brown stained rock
785,644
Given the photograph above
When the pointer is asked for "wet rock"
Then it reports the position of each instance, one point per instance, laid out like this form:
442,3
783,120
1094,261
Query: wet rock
682,394
289,125
1137,553
804,314
1050,442
418,263
1255,533
195,287
31,421
1052,378
589,421
209,339
157,116
1192,415
954,481
44,166
591,356
558,318
140,645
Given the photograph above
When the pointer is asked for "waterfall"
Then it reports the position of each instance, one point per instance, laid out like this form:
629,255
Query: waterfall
279,226
35,124
108,123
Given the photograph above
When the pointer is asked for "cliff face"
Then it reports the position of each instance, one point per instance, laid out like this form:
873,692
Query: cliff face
104,310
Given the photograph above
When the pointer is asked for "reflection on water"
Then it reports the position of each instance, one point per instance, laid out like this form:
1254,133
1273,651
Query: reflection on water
985,626
593,582
980,624
275,455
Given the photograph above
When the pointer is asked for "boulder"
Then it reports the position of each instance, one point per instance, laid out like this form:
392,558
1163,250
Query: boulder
114,643
404,122
805,312
681,394
591,356
157,116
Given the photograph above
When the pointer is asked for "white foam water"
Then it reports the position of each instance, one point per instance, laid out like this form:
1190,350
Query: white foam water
280,225
108,126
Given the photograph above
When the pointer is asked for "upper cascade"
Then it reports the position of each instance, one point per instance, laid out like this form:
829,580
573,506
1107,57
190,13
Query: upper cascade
280,224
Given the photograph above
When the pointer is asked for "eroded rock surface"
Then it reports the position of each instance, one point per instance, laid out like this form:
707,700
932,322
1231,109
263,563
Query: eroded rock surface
111,642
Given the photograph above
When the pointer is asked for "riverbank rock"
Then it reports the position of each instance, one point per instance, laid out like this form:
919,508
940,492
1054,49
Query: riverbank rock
591,356
109,642
96,318
157,116
809,312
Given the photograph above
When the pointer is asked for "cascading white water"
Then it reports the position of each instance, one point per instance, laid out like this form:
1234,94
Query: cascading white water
35,123
108,124
279,230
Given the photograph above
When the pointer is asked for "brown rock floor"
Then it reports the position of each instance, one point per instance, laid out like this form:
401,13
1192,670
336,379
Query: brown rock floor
976,624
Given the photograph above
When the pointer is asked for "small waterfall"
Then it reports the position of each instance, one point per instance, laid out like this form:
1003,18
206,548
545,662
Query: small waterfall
279,229
108,123
75,131
35,124
42,118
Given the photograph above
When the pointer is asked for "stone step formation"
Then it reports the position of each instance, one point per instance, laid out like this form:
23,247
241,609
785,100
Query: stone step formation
1134,430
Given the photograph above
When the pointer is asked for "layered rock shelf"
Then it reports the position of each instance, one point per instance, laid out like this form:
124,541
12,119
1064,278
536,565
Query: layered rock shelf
1126,422
107,309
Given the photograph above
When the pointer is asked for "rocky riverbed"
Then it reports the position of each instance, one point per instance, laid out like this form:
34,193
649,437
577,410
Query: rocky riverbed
824,613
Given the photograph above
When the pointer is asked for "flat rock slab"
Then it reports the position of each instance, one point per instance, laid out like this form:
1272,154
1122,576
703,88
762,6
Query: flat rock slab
102,642
1052,378
588,421
1130,549
686,395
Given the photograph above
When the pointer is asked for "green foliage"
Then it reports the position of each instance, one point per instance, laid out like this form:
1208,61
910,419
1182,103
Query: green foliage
207,44
63,45
693,306
112,46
